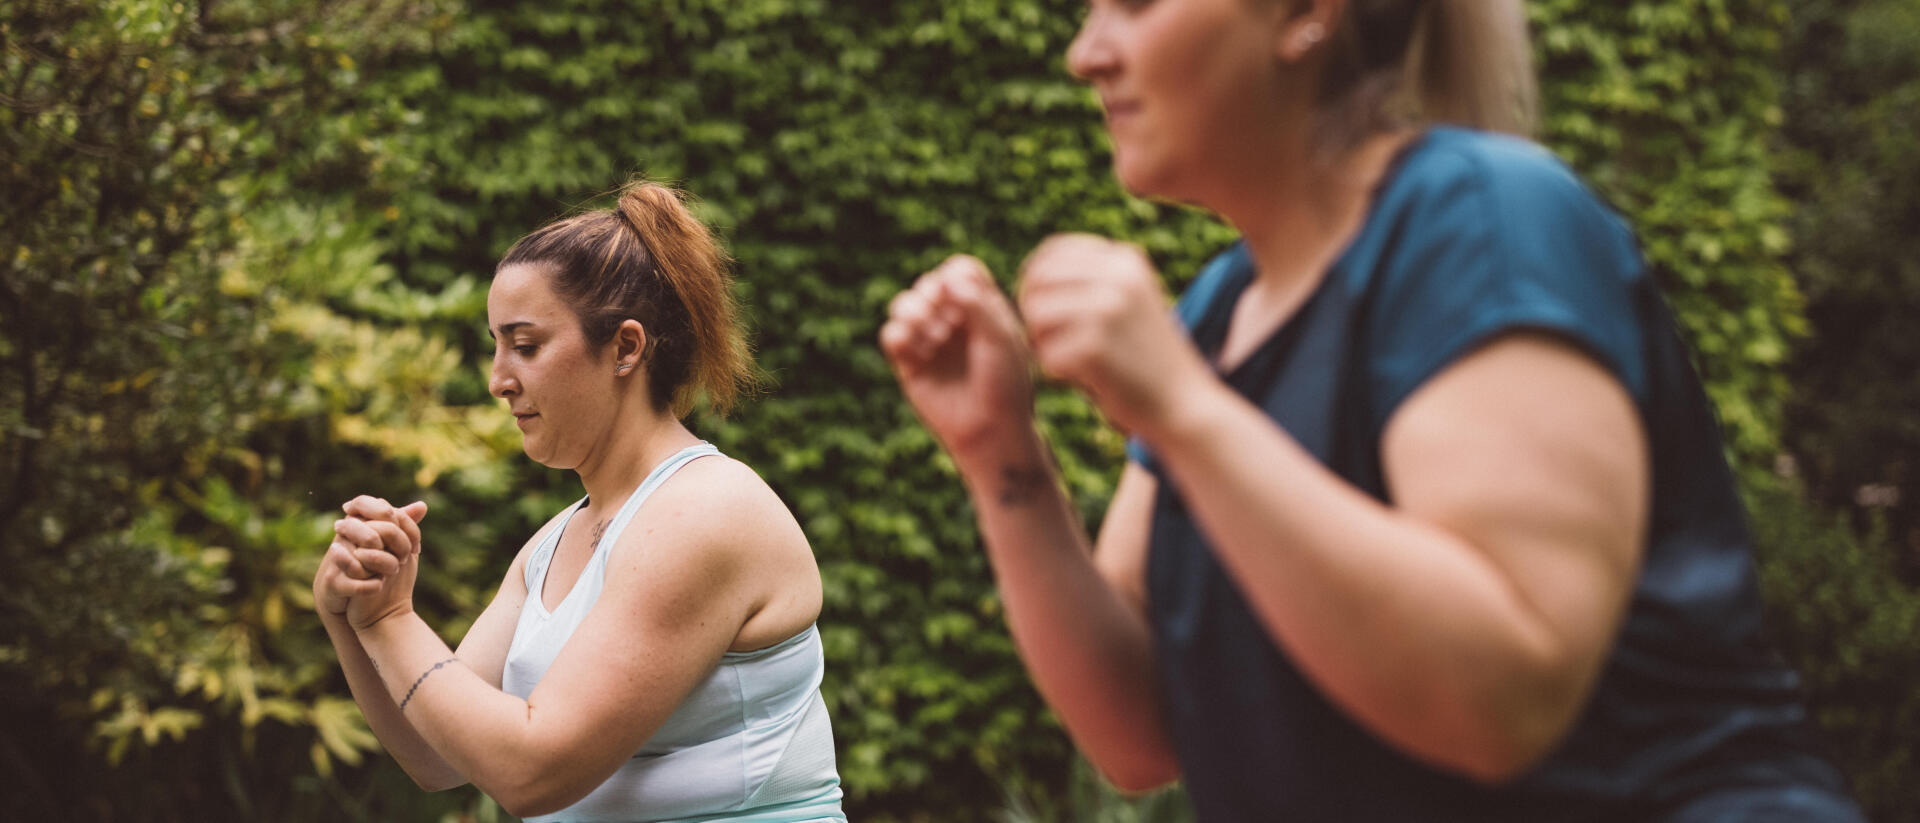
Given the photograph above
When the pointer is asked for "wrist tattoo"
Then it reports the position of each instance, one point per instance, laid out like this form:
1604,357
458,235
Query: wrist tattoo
1021,485
423,676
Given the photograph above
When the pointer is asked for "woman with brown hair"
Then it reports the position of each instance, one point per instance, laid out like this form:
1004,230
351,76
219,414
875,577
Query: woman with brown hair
651,654
1426,517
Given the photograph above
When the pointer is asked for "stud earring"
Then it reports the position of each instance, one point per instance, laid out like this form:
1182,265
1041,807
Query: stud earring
1311,35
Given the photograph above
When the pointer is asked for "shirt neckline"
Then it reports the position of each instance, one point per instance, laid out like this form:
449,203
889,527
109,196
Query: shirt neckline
1211,332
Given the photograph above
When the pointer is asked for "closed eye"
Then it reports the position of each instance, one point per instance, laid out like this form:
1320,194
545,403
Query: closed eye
524,350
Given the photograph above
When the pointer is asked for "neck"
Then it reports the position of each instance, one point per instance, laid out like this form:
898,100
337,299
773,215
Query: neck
633,446
1297,214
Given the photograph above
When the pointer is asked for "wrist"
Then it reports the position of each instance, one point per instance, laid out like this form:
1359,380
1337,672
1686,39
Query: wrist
1190,411
1018,472
984,460
387,617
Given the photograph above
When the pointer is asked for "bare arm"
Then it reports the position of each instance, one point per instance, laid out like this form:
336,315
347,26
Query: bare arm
669,609
1077,618
484,647
415,756
1466,622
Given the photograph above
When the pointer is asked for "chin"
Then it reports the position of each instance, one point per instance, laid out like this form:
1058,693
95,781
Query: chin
1140,179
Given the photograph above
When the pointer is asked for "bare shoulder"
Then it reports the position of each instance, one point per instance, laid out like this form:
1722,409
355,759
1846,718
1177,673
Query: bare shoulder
720,504
715,533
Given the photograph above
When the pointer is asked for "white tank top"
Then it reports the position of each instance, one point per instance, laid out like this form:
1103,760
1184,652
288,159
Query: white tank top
749,743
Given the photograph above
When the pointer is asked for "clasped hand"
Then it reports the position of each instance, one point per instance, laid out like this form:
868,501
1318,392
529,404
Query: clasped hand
1092,313
369,569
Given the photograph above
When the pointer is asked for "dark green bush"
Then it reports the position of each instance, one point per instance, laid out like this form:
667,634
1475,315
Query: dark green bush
1849,152
1845,619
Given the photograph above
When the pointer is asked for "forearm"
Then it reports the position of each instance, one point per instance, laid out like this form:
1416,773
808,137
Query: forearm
1088,649
1409,628
409,749
481,731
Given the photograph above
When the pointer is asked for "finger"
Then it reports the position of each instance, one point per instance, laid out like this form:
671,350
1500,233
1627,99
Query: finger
963,268
378,510
1048,269
377,561
946,304
356,588
392,538
971,290
1053,246
357,533
917,329
408,519
965,265
1063,259
895,343
341,556
1060,359
367,507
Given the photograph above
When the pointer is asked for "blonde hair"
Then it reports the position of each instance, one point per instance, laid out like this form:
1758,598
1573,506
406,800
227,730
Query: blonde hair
1471,63
1396,63
648,258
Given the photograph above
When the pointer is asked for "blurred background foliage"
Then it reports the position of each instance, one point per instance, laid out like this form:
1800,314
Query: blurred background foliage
244,252
1850,158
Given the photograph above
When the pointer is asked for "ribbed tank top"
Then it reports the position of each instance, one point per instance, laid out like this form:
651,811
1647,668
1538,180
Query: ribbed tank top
750,743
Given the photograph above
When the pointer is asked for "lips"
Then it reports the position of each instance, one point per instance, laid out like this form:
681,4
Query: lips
522,419
1118,110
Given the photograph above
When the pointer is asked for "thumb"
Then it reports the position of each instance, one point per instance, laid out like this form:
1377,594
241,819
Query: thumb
416,510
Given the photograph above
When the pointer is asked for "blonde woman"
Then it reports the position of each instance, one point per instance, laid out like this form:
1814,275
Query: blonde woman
651,654
1426,517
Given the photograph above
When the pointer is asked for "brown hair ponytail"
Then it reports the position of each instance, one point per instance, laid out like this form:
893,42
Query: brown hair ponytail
1472,64
651,260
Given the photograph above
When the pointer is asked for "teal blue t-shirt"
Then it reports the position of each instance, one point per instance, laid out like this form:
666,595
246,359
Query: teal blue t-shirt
1694,717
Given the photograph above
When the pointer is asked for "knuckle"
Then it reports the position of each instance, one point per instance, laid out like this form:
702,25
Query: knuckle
909,304
890,336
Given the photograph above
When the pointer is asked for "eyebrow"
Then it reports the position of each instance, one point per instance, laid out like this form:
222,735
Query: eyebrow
507,328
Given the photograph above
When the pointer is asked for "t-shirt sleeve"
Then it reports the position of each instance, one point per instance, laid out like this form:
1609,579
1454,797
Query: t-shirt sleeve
1509,241
1194,305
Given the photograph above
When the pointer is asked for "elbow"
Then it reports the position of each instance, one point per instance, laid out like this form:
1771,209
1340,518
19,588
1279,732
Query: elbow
1516,733
1141,773
536,793
437,785
531,803
524,809
534,798
432,780
1500,763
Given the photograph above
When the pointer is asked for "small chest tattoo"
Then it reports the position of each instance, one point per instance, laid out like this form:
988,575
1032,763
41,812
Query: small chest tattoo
599,531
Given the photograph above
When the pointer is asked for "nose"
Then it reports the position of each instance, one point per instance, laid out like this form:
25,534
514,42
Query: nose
1091,53
500,383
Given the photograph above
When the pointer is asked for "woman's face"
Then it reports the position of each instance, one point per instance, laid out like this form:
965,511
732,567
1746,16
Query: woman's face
560,389
1181,82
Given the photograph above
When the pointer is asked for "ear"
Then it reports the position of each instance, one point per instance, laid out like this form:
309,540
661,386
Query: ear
629,347
1306,28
